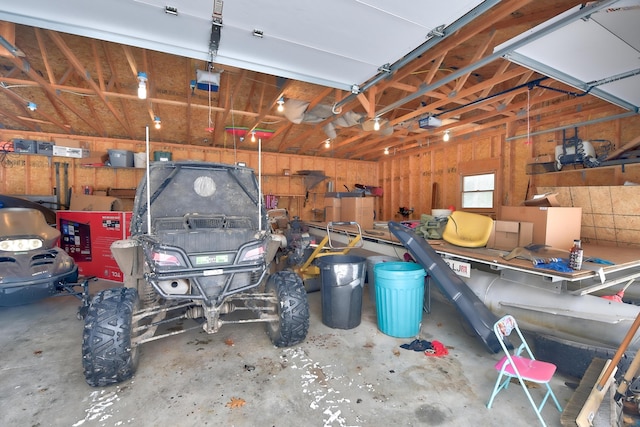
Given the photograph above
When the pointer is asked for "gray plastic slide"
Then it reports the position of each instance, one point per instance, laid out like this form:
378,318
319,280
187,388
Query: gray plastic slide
479,317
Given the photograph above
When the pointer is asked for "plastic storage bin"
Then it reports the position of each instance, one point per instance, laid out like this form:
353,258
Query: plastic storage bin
341,290
121,158
161,156
399,298
140,160
371,279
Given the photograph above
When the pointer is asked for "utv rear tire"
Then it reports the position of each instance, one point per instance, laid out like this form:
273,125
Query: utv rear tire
107,354
292,308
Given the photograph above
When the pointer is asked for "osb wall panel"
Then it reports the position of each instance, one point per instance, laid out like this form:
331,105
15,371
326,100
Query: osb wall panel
610,214
35,174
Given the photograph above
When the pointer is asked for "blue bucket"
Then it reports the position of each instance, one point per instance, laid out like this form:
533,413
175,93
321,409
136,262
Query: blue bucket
399,298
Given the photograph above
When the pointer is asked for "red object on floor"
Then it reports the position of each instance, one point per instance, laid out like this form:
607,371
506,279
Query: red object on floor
438,349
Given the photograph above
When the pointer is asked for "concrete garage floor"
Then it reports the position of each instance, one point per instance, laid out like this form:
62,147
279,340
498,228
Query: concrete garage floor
356,377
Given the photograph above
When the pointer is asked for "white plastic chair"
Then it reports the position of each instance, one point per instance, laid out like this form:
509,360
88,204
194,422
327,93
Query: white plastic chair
521,365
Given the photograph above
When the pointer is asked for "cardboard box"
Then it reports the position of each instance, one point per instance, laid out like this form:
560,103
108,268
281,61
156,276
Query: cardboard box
76,153
86,202
507,235
332,214
332,209
359,209
87,238
95,159
73,143
553,226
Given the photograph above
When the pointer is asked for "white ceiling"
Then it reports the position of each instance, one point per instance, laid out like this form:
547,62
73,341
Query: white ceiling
335,43
599,54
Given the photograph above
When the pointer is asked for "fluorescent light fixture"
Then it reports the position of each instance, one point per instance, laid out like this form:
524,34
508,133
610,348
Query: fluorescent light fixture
142,85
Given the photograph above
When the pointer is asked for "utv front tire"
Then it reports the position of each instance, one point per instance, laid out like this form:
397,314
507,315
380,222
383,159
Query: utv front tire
107,354
292,308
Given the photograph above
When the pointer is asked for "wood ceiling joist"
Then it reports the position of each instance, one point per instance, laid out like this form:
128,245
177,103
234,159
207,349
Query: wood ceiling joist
465,93
231,93
471,30
285,144
84,73
33,74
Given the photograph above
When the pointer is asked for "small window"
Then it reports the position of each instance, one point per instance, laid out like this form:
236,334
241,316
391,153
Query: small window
478,191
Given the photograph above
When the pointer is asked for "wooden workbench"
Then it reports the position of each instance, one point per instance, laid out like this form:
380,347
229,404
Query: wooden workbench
623,258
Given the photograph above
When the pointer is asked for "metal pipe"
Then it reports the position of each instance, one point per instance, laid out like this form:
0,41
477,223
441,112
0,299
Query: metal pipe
584,12
433,41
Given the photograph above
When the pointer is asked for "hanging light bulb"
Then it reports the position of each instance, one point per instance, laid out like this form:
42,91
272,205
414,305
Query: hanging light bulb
157,122
446,136
327,143
281,104
386,150
142,85
253,137
32,106
376,124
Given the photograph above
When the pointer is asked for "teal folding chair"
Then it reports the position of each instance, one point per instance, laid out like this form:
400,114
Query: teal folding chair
521,365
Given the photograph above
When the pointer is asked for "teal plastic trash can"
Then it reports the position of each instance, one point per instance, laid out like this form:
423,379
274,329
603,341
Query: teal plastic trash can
341,290
399,298
371,278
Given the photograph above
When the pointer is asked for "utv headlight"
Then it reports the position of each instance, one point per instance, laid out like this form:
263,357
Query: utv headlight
20,245
167,259
253,253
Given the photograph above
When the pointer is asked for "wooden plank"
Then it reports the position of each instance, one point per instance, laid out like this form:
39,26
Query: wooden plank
628,146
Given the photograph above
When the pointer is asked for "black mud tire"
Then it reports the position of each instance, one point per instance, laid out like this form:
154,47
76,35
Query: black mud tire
107,354
292,308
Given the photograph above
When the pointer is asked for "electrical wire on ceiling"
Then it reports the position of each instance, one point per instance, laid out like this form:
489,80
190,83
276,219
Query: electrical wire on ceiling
530,85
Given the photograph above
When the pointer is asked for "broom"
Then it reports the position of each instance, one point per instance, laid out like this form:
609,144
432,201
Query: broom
582,406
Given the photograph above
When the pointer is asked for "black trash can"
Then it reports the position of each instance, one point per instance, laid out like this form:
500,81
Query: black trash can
341,292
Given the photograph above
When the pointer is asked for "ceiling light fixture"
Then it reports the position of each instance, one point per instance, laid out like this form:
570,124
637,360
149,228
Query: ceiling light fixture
157,122
253,137
376,124
32,106
142,85
446,136
327,143
281,104
386,150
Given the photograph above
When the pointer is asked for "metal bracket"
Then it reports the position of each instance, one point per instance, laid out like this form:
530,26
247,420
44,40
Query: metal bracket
386,68
437,31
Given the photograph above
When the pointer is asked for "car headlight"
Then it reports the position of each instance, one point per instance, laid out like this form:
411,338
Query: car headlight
20,245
